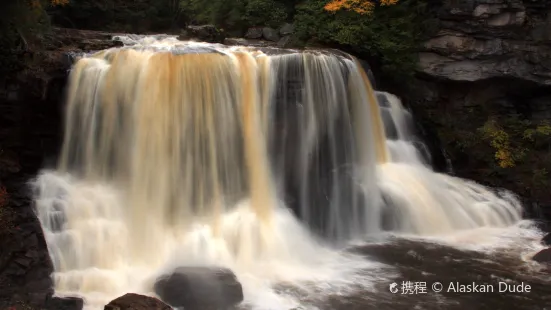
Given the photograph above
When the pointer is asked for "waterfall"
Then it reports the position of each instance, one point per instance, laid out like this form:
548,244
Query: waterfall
188,152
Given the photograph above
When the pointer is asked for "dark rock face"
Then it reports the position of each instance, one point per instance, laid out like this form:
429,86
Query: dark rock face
136,302
197,288
546,240
25,265
483,39
30,135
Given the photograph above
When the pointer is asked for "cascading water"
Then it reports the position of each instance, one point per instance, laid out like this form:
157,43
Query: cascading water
182,153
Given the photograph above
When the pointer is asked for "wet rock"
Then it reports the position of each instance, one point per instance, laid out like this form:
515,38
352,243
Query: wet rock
270,34
65,303
25,265
236,41
254,33
198,288
241,41
286,29
546,240
207,33
97,45
284,42
132,301
543,256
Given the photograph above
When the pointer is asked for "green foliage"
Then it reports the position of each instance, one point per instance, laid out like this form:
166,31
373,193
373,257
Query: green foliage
119,15
505,150
237,15
265,13
21,23
513,138
390,34
227,14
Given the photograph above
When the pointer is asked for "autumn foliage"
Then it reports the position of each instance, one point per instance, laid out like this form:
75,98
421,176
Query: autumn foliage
358,6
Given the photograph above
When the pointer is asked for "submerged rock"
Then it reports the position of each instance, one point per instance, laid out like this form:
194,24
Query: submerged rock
543,256
132,301
198,288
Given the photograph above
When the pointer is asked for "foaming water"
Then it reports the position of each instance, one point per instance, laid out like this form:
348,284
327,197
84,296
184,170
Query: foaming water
100,266
265,162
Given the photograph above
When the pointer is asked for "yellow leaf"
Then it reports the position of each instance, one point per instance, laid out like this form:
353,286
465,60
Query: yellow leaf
358,6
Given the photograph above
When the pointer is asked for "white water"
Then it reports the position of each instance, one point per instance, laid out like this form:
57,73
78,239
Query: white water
186,160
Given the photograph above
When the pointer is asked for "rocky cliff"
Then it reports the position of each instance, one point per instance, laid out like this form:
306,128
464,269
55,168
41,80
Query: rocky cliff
30,135
482,39
484,85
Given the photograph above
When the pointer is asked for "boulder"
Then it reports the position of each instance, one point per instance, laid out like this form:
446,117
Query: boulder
236,41
65,303
200,288
543,256
207,33
546,240
286,29
132,301
270,34
284,42
254,33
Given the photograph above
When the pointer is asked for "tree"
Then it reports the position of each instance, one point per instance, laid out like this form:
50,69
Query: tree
358,6
388,37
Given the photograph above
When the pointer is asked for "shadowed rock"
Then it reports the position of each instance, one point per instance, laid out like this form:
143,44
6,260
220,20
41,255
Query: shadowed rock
254,33
543,256
481,39
132,301
286,29
546,240
207,33
200,288
66,303
270,34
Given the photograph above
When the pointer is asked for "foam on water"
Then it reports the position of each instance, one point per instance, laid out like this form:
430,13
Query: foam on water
100,268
